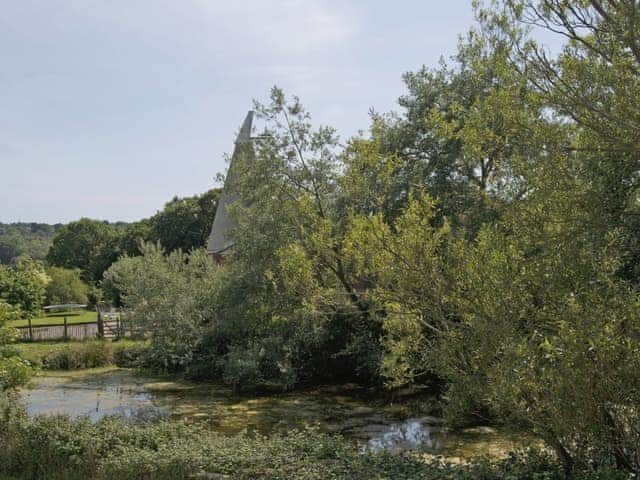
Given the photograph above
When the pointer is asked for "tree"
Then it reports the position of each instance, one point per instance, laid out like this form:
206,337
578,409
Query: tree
170,296
546,319
30,239
468,133
134,235
10,248
65,286
594,84
88,245
23,285
408,270
545,340
289,253
185,223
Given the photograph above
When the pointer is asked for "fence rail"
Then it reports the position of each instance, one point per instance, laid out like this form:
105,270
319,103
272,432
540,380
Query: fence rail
77,331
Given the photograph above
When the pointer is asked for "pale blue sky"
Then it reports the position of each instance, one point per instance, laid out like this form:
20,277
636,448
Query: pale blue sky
109,108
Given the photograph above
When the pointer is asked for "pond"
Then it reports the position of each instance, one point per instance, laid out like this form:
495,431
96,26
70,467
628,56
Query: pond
348,410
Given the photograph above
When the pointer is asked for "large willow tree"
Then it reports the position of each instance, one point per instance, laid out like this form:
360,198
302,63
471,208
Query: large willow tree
547,296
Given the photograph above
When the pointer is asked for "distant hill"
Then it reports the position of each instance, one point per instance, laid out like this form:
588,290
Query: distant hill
33,239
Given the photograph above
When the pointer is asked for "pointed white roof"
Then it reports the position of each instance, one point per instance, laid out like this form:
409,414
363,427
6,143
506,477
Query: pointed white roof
219,240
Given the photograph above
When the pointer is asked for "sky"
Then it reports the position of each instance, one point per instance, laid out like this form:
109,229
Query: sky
108,109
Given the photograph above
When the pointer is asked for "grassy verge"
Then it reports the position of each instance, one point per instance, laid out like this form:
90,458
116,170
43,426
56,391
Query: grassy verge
57,319
81,354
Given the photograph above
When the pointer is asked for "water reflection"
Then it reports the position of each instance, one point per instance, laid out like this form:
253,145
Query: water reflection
104,395
413,434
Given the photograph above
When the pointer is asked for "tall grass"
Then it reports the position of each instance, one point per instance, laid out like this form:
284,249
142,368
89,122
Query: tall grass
82,354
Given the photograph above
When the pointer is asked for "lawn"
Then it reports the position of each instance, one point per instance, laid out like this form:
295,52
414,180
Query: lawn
57,319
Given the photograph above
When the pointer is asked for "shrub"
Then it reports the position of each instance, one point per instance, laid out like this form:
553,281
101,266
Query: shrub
84,354
59,448
79,355
170,297
56,447
14,371
129,356
547,341
66,286
241,368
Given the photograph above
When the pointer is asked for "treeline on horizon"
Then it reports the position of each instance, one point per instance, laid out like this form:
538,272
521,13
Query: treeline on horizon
20,238
182,223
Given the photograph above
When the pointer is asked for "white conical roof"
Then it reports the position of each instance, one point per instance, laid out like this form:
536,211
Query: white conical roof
219,240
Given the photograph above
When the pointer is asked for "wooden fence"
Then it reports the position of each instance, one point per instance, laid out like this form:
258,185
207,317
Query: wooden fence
80,331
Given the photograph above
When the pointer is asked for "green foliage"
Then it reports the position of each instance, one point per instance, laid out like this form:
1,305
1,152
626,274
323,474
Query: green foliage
241,368
92,354
547,318
91,246
130,356
287,289
513,286
546,341
185,223
133,235
56,448
23,285
485,240
79,355
14,371
593,86
65,286
170,297
25,239
83,354
88,245
409,267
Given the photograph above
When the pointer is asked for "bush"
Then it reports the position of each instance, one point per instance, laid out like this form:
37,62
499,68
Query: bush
56,447
241,368
170,297
84,354
14,371
547,341
130,356
79,355
66,286
59,448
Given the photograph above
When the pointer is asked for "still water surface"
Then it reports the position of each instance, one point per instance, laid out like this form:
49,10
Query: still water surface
373,424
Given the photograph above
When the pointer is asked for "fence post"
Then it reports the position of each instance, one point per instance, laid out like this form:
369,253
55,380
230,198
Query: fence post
30,330
100,324
66,337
